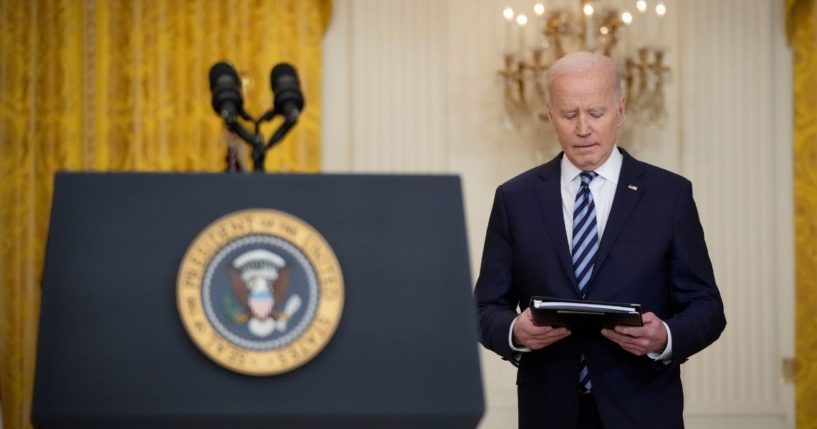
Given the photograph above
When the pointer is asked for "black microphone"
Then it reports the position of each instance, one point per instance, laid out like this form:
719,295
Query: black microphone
226,89
289,101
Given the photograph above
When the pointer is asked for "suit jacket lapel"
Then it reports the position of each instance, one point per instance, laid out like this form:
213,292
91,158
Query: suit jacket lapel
628,192
549,196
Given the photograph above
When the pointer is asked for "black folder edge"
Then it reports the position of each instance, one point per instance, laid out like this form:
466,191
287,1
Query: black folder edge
573,319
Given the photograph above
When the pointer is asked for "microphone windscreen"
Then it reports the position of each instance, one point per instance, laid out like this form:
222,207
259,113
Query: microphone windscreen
286,87
283,73
225,87
219,70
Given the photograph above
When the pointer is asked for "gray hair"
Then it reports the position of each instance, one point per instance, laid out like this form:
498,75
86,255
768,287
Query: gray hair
578,62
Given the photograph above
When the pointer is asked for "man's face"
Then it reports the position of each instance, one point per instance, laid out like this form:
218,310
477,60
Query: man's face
586,116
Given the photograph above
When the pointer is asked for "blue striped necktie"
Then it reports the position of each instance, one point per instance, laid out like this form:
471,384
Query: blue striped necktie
585,247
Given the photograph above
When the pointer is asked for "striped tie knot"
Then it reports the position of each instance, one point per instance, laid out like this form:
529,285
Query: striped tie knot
587,177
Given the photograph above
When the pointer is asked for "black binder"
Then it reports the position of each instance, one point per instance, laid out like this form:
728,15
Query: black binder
584,317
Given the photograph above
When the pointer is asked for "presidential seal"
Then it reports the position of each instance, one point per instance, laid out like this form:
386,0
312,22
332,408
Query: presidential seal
260,292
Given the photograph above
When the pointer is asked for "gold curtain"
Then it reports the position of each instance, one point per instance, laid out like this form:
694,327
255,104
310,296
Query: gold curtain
802,28
110,85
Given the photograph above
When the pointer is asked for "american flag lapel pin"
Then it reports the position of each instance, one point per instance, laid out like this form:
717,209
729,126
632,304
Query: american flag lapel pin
632,187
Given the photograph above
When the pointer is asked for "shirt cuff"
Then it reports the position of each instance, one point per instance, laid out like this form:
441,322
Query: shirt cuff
665,356
510,339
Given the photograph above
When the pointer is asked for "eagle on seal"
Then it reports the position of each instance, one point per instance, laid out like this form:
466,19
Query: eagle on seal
260,280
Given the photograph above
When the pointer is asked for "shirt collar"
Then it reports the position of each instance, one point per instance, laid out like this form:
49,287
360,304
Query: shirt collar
610,170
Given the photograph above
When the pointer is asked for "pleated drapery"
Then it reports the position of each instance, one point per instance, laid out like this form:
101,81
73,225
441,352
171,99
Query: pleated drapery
802,29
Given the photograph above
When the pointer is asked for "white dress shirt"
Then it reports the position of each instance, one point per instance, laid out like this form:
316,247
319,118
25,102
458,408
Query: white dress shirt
603,189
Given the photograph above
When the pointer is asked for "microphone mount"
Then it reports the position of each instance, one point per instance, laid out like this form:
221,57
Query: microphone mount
255,139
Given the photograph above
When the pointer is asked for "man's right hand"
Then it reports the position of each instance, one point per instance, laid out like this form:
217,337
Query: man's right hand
526,334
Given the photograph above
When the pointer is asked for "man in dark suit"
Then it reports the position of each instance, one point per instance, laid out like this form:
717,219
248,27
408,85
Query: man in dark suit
594,223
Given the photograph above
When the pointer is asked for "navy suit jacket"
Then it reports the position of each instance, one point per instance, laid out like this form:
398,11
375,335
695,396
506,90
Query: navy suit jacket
652,252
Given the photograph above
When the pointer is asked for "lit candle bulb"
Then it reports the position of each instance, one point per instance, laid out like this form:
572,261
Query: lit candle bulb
507,13
660,10
627,18
539,29
640,30
521,20
588,26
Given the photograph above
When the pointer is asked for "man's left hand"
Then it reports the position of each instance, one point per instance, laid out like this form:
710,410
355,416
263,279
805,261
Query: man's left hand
652,337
